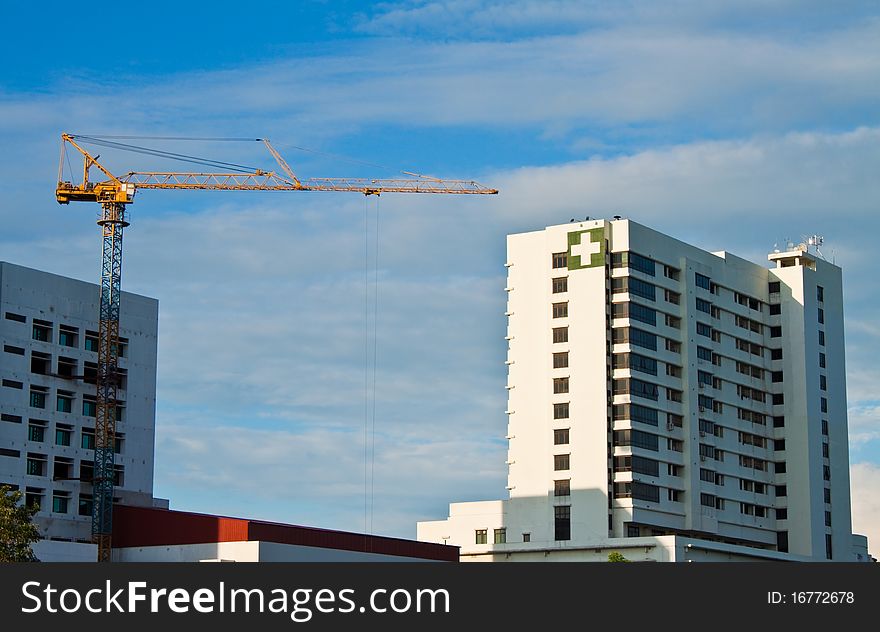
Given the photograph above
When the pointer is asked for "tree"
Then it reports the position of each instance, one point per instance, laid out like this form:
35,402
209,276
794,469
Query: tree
616,556
17,532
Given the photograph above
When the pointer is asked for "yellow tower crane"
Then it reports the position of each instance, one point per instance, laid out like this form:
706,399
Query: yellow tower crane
114,193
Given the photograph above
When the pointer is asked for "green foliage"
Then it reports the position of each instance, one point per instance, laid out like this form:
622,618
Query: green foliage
616,556
17,532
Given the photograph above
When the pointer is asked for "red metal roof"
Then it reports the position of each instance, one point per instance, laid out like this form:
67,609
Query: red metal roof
147,526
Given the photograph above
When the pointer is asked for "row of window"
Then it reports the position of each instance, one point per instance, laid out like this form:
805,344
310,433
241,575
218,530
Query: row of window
64,400
38,465
41,364
37,430
60,500
68,336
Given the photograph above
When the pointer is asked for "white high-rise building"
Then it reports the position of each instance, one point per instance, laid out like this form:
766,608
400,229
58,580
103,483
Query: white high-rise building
668,403
49,335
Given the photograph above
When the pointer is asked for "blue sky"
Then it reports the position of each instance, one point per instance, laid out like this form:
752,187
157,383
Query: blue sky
731,125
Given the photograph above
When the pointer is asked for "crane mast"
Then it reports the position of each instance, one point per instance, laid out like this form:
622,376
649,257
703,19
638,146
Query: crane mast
114,193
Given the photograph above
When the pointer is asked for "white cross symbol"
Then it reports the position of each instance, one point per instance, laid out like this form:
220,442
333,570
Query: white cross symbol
585,250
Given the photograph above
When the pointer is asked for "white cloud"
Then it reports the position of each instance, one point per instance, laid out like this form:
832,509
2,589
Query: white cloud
865,485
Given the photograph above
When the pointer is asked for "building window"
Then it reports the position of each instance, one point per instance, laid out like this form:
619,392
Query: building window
820,293
827,518
42,331
825,452
773,287
825,427
633,336
36,432
635,412
559,285
637,438
560,334
826,473
560,310
62,435
60,502
562,488
90,408
828,551
673,495
823,383
670,273
703,281
560,360
634,261
40,363
64,402
562,518
827,495
560,436
782,541
672,297
561,462
560,411
775,309
85,505
527,537
641,338
38,397
775,354
704,306
560,259
560,385
88,439
640,288
821,316
779,467
822,338
36,464
781,491
821,360
92,341
67,367
823,404
782,513
776,331
704,330
778,399
500,536
13,350
673,370
779,445
481,536
67,336
16,317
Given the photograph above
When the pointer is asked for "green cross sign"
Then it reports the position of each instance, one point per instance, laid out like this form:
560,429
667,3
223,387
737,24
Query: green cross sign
586,253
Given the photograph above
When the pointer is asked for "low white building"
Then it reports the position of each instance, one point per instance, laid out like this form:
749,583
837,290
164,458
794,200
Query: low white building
668,403
48,363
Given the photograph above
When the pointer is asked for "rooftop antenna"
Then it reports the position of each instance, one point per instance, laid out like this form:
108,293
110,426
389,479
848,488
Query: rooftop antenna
814,241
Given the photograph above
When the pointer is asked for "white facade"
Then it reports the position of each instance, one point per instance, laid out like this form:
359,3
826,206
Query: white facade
657,390
48,330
